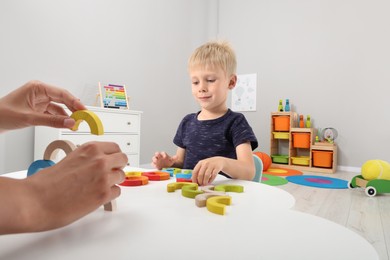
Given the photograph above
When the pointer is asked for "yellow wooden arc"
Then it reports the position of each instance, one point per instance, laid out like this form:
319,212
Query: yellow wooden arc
92,120
171,187
217,204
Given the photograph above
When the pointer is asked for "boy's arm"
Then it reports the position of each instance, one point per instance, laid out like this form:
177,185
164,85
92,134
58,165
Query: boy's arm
241,168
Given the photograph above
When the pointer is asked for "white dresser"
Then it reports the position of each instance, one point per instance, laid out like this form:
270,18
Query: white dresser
120,126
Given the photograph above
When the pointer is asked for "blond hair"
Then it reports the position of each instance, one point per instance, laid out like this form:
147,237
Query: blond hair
214,54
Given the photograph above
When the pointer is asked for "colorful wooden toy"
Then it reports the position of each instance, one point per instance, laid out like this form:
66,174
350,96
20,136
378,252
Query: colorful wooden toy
374,178
52,149
183,180
135,181
280,106
110,206
301,121
308,121
200,199
133,173
184,175
157,175
92,120
227,188
287,106
190,191
213,197
217,204
209,188
39,165
171,187
173,171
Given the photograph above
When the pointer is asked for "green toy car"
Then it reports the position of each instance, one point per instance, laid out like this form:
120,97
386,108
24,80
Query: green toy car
372,187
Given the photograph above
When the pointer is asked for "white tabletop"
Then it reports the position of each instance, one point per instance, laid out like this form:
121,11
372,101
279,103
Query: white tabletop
151,223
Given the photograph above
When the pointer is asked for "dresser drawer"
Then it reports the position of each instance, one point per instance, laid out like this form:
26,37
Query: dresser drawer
133,160
113,123
127,143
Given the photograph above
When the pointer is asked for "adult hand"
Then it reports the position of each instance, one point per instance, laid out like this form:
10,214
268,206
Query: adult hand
33,104
56,196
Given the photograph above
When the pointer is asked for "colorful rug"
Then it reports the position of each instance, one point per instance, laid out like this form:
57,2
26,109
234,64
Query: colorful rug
273,180
319,181
282,172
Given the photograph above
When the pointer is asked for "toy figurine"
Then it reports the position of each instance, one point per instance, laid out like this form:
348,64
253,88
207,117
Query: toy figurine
308,121
287,106
280,107
301,121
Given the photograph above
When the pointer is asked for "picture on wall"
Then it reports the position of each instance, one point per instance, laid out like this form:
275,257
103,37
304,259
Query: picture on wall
244,93
113,96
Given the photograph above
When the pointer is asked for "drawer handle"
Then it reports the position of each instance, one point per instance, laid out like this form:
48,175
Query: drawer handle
128,123
128,143
128,164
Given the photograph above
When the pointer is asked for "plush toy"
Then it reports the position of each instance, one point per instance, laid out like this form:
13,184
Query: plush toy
376,169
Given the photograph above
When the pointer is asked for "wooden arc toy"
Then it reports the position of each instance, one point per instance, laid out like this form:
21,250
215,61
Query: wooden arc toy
171,187
134,180
227,188
190,191
52,149
39,165
92,120
157,175
200,199
217,204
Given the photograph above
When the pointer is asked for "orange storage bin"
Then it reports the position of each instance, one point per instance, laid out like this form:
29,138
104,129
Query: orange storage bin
301,140
322,158
281,123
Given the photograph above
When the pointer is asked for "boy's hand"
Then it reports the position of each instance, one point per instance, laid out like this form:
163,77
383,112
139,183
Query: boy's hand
162,160
207,170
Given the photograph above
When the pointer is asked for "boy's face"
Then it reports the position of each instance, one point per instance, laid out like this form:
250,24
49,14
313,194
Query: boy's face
210,87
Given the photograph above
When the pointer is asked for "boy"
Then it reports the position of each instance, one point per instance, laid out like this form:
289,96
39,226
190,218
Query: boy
214,140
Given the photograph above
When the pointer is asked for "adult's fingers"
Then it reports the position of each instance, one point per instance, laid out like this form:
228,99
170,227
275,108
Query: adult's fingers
117,176
63,96
118,160
56,121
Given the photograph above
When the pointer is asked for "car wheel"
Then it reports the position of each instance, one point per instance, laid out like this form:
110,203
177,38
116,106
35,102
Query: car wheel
370,191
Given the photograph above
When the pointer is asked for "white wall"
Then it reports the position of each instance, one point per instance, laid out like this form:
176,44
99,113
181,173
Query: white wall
76,43
330,58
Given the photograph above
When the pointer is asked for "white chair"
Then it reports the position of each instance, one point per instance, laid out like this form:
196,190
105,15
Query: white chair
259,168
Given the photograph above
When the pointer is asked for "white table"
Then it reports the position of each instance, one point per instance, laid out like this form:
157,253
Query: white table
151,223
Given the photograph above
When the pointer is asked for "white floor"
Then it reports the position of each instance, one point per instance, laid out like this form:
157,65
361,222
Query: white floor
352,208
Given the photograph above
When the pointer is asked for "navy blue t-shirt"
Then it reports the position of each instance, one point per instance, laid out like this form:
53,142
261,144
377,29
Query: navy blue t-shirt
217,137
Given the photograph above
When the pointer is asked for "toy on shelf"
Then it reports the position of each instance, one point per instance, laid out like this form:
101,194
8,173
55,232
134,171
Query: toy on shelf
329,134
374,178
287,106
280,106
308,121
301,121
294,144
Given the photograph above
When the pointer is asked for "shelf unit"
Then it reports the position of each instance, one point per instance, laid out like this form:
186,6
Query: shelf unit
294,147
